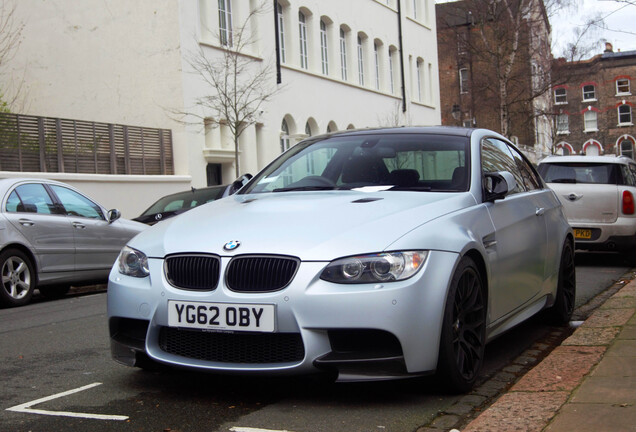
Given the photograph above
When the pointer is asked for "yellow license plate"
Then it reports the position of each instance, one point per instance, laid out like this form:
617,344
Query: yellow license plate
583,234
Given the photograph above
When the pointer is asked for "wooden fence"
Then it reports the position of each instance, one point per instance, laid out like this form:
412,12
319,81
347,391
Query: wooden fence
45,144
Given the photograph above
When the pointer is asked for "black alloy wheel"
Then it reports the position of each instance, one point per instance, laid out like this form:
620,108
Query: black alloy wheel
463,340
561,312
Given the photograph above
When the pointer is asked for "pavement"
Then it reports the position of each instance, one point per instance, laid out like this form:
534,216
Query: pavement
587,383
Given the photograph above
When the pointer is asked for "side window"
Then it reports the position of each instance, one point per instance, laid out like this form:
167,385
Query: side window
31,198
530,179
496,156
627,174
76,204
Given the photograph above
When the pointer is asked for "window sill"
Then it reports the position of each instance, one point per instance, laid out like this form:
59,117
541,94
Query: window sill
589,100
623,94
590,130
567,132
625,124
560,103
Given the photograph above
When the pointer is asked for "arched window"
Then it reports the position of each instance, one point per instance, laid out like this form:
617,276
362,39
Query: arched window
360,62
625,146
281,31
307,129
284,136
324,54
377,65
592,148
343,54
391,74
302,30
563,148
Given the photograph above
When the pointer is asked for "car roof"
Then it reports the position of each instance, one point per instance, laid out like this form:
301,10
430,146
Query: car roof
428,130
588,159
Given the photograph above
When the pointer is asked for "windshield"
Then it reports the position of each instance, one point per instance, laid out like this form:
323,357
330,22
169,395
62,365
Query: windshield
185,200
580,172
417,162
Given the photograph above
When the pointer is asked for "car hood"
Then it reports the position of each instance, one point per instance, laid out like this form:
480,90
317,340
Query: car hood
310,225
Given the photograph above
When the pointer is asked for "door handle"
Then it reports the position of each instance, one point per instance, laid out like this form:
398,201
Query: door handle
540,211
78,225
26,222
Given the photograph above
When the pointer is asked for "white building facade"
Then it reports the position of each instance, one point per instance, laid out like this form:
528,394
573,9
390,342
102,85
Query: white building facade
340,65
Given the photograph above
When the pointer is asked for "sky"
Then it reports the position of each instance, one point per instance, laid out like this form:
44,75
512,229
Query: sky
619,22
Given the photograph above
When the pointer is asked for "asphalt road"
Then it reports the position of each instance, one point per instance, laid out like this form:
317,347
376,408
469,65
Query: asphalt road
53,347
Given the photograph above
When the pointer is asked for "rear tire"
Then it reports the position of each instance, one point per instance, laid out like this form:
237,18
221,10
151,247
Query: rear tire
561,312
463,338
17,278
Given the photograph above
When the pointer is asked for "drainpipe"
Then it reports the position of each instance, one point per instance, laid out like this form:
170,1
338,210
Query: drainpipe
279,78
399,8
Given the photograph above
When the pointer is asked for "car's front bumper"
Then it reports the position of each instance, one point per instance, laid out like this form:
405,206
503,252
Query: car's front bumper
363,331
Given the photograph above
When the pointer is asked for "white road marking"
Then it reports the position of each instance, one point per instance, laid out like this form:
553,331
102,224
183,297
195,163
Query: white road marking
26,407
249,429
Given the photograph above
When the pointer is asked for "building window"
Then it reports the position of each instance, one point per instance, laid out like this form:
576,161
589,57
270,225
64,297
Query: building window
360,62
392,85
284,136
589,92
560,96
624,115
418,71
377,66
563,124
302,30
622,87
627,148
343,54
324,54
590,119
225,22
281,31
468,123
307,129
463,81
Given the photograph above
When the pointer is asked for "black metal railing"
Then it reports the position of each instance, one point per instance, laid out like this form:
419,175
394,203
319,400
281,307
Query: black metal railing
45,144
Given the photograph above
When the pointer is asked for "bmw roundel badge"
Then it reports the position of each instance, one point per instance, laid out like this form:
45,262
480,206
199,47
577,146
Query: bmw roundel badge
231,245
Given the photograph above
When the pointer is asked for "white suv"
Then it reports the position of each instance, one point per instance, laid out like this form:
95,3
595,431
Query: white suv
597,193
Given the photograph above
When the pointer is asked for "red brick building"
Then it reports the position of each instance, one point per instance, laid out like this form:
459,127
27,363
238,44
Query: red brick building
476,41
594,105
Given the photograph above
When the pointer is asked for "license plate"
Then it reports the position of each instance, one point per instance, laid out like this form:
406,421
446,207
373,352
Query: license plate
583,234
222,316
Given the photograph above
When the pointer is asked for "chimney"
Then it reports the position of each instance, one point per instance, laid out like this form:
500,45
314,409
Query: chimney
608,47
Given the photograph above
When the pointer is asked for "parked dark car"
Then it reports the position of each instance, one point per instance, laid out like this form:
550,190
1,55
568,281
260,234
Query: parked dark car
180,202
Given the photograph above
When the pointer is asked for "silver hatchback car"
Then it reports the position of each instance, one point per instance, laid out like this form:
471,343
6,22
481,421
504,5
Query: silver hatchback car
52,236
370,254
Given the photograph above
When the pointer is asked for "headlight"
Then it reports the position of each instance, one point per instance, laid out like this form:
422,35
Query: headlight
382,267
133,262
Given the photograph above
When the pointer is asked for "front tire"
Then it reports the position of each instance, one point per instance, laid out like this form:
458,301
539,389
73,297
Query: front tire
463,338
18,278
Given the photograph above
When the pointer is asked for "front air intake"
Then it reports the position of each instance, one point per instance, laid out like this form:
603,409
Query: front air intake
261,273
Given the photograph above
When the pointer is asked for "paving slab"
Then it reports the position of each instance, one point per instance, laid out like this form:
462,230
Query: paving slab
594,418
616,367
628,332
623,348
609,318
606,390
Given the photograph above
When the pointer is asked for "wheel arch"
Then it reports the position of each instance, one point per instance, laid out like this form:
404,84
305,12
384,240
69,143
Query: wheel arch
479,261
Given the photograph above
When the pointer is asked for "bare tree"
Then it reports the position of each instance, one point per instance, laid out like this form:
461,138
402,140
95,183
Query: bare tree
10,39
238,85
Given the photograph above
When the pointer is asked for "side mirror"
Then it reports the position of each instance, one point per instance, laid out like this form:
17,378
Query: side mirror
497,185
113,215
239,183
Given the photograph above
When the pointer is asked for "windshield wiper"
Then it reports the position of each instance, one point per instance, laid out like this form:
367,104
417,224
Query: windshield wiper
563,180
411,188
